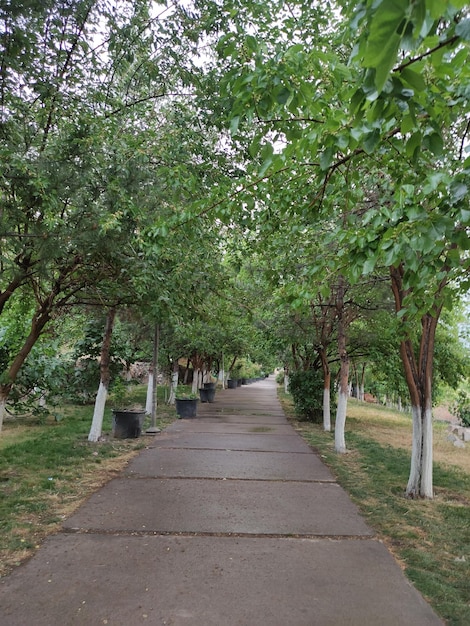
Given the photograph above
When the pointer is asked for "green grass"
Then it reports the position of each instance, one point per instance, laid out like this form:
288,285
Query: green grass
48,469
430,538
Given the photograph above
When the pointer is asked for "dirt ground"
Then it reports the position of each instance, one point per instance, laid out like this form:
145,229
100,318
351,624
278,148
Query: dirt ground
442,413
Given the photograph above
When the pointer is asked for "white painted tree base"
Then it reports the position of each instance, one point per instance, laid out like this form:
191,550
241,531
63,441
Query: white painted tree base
149,398
98,414
340,442
420,482
173,386
326,411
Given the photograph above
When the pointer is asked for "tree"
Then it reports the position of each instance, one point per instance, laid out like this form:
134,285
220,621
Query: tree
381,118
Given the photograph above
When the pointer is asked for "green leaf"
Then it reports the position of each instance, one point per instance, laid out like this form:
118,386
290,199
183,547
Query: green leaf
283,95
371,141
434,143
407,124
267,156
356,100
414,79
463,240
326,158
251,43
369,266
413,144
234,122
458,191
384,39
436,7
342,141
463,29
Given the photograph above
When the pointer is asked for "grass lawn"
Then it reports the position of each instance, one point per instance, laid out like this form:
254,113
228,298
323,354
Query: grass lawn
429,538
47,470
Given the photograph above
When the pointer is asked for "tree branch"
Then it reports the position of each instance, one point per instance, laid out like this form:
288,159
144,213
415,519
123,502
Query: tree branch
443,44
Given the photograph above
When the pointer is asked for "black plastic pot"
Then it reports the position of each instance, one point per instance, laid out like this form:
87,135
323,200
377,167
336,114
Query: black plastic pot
127,424
232,383
209,385
186,408
207,395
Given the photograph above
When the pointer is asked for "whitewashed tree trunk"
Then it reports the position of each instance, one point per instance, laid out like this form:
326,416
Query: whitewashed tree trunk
100,402
152,390
420,481
98,413
326,391
427,475
418,373
340,423
197,380
326,411
173,387
149,397
286,383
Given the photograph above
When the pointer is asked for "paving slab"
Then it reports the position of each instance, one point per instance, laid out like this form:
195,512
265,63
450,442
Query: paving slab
224,506
191,463
256,442
234,418
250,412
214,426
91,580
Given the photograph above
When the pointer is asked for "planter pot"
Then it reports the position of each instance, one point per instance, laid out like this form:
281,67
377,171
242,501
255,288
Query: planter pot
245,381
207,395
232,383
186,408
128,424
209,385
239,382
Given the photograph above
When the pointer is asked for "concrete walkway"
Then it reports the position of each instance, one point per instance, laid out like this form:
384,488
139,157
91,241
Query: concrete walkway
228,519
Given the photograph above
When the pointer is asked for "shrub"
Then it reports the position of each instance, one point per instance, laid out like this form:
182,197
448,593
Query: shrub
461,408
306,388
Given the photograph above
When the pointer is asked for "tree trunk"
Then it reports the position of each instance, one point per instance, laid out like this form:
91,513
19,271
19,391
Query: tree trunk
186,372
340,423
3,404
148,397
152,385
38,323
221,371
196,377
326,391
418,375
100,402
362,382
174,383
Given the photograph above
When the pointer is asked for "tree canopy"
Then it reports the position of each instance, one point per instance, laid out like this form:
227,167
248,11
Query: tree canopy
153,156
